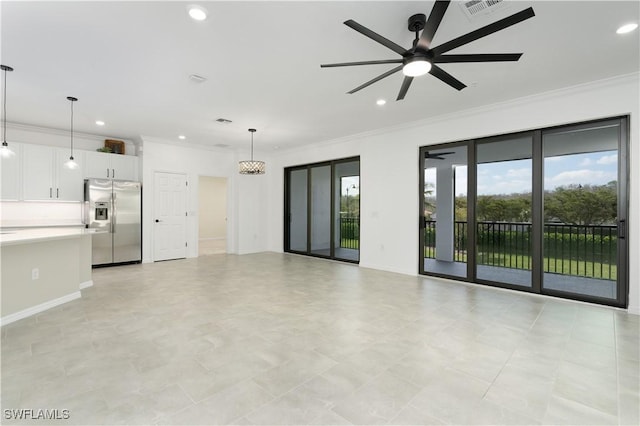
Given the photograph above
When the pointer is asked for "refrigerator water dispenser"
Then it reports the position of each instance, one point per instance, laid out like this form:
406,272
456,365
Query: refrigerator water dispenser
102,211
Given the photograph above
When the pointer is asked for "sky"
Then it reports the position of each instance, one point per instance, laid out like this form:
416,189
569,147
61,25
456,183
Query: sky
511,177
348,182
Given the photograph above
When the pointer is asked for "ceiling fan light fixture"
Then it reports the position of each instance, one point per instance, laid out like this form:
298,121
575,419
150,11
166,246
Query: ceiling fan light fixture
416,66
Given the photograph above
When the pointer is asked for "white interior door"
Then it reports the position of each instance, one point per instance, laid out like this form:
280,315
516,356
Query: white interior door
170,220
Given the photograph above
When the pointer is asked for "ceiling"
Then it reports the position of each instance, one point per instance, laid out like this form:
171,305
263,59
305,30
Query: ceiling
129,65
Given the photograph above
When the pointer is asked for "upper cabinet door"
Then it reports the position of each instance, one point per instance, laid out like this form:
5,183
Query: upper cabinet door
11,172
69,183
97,165
110,166
124,167
37,173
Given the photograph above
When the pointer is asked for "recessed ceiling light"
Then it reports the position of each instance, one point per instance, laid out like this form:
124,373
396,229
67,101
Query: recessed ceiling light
183,137
627,28
100,122
381,102
197,13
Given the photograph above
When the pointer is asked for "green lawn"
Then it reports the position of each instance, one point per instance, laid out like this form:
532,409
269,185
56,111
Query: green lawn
350,243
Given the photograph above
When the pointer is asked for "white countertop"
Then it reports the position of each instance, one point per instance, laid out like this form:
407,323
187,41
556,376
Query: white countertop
22,236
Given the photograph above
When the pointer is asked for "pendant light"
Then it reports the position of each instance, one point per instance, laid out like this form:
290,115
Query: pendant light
71,163
5,151
251,167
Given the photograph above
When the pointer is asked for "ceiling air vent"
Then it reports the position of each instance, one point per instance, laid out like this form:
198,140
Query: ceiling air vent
197,78
223,121
474,8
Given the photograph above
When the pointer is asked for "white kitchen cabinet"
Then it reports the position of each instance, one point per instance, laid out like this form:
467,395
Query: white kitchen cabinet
111,166
45,177
11,173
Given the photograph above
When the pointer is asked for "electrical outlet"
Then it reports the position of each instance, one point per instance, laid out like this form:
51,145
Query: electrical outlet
35,273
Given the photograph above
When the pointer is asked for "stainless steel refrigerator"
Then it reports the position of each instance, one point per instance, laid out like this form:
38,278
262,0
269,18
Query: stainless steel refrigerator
114,206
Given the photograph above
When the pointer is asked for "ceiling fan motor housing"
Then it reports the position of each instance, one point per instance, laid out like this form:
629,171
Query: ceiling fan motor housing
417,22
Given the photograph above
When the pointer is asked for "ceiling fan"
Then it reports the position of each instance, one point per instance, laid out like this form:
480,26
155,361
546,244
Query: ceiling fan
422,58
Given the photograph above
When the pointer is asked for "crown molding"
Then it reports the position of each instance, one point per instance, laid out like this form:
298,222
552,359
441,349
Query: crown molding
511,103
65,132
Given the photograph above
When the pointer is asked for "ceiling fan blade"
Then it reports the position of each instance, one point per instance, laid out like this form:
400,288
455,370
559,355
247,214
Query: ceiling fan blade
482,57
378,78
433,22
403,89
444,76
375,37
348,64
484,31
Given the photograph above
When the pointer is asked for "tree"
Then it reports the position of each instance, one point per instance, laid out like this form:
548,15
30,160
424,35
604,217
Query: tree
582,204
429,207
504,208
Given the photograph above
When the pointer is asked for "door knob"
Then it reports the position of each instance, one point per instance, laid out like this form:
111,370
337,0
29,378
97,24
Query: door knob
157,220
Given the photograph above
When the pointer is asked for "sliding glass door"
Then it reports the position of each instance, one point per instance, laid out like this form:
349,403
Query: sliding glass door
298,211
503,211
322,209
584,210
444,211
543,211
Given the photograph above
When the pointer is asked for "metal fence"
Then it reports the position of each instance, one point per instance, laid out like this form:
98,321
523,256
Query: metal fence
349,231
579,250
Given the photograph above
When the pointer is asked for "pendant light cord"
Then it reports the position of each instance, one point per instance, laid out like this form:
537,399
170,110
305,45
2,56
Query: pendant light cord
251,146
4,109
71,129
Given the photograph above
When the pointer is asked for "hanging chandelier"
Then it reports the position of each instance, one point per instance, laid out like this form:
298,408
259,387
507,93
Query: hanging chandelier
5,151
251,167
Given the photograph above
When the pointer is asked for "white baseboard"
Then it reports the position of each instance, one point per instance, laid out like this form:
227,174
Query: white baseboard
86,284
39,308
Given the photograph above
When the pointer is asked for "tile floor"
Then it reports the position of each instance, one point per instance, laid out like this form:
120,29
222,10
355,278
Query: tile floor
212,246
284,339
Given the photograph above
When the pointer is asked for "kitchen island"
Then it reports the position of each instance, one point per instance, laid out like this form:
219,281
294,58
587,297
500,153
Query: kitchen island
42,268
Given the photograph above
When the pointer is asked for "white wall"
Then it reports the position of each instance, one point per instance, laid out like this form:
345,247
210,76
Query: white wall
389,167
246,197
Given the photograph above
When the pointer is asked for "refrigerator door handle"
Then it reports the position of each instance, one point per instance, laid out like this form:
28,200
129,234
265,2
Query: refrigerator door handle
114,213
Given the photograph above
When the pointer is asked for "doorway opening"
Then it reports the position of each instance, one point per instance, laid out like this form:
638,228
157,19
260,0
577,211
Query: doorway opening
212,215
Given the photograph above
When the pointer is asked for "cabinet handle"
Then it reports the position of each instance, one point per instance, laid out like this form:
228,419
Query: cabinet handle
50,192
113,173
107,172
57,192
